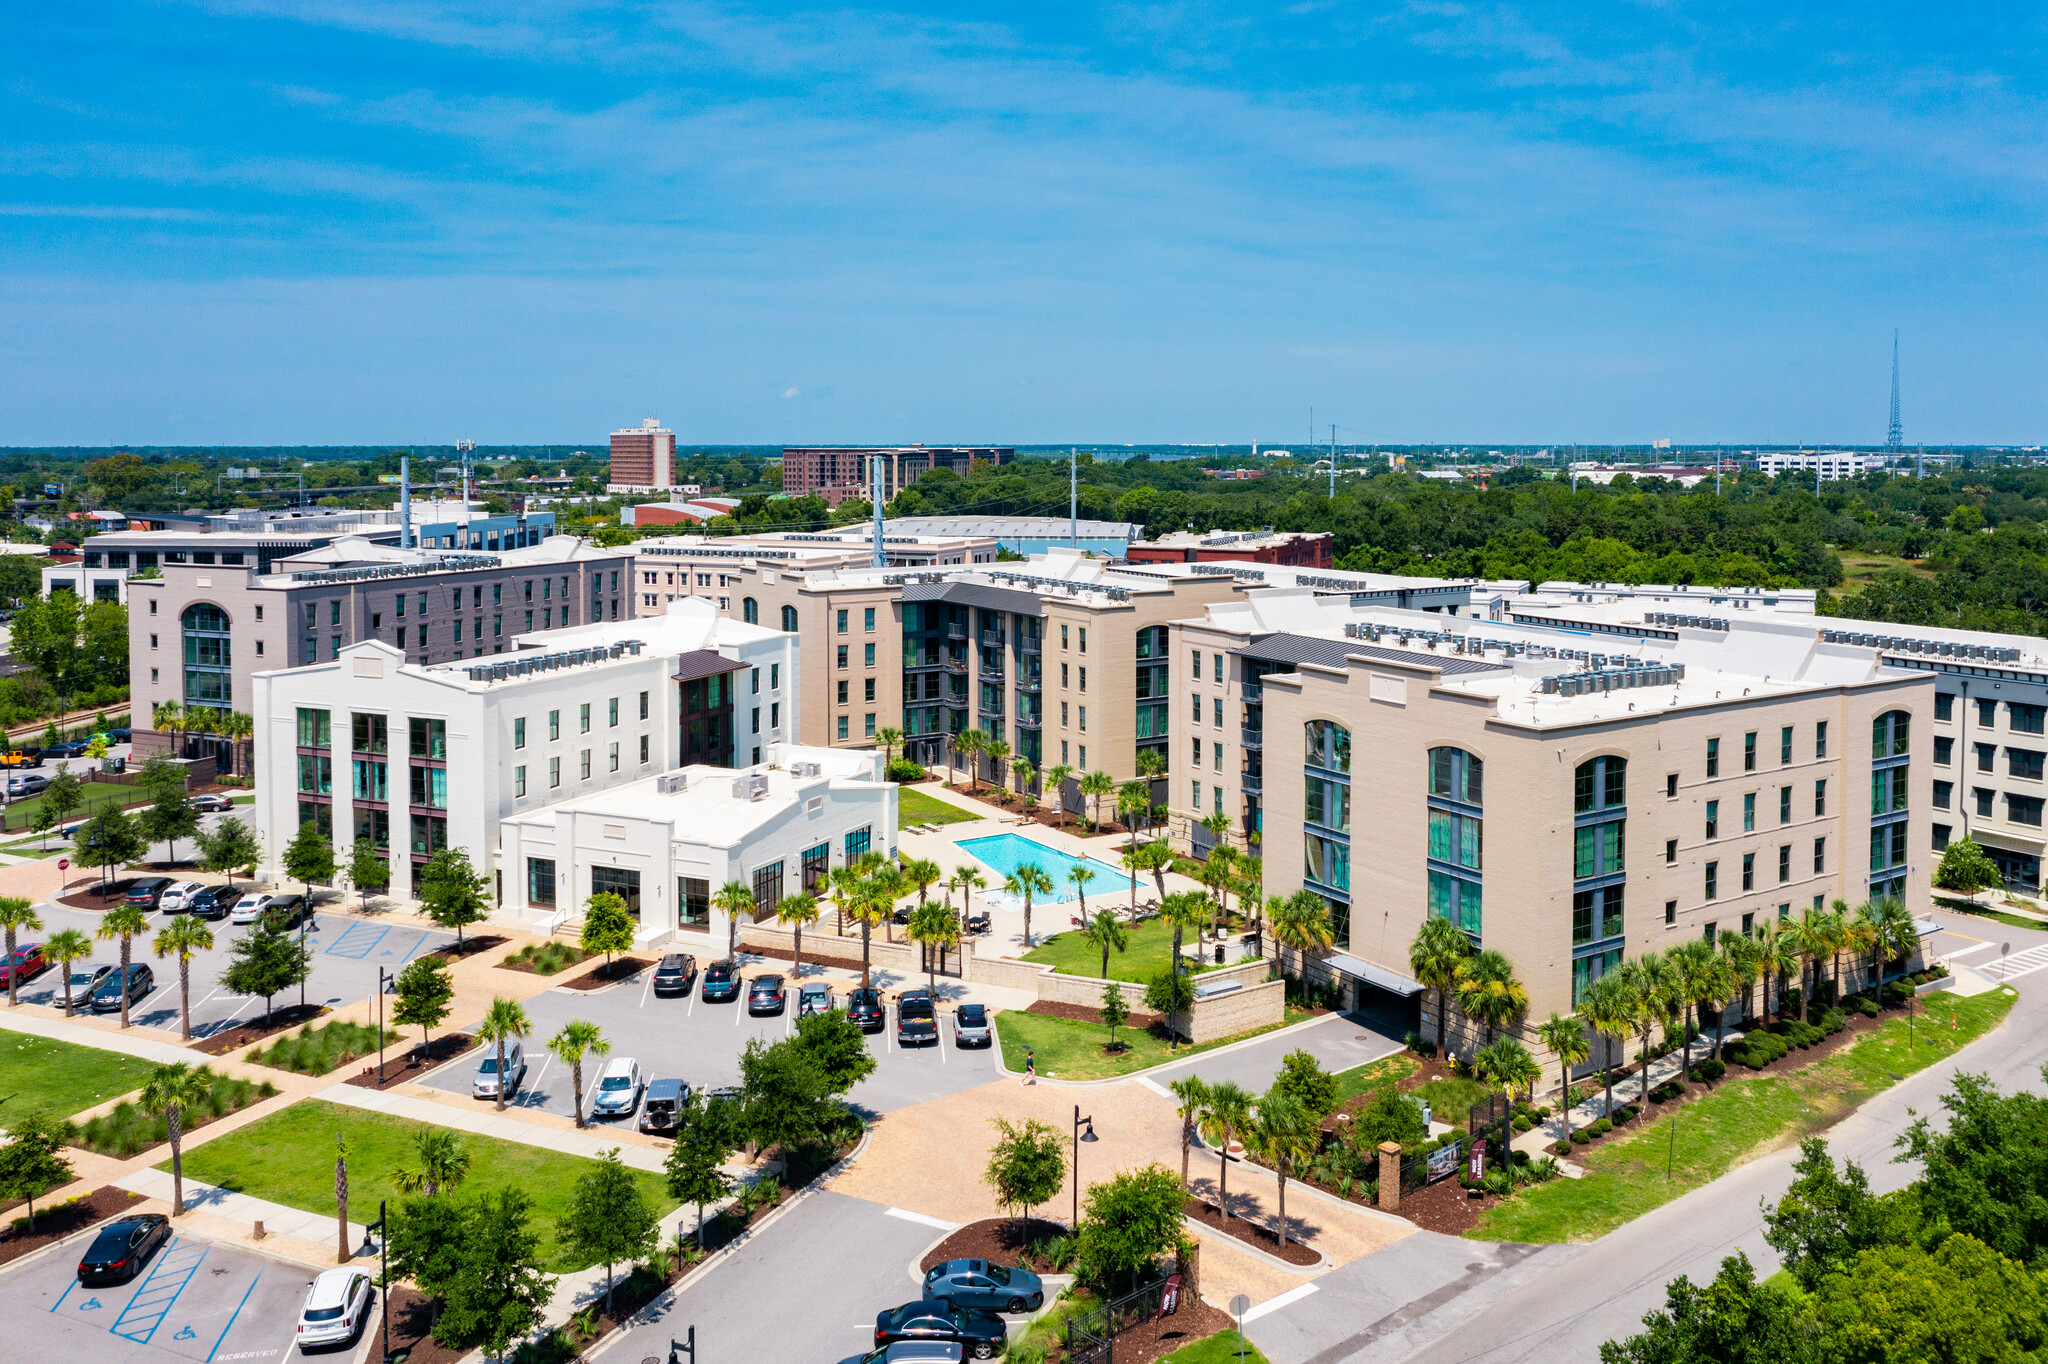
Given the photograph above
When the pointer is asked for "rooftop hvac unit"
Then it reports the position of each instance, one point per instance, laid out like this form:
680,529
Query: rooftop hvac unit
806,769
671,782
753,786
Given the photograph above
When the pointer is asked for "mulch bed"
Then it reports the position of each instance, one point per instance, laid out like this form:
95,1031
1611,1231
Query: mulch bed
470,946
1003,1240
1156,1339
1251,1233
89,897
284,1020
407,1063
54,1224
810,958
1086,1014
1445,1207
528,967
620,969
412,1317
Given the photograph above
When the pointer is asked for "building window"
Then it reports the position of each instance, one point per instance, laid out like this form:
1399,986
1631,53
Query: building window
1713,819
1749,812
750,611
789,621
368,733
1784,864
316,775
1888,734
1671,786
554,773
1784,805
2024,762
1670,851
518,781
1987,713
429,787
615,757
1944,705
1987,757
1820,739
1820,854
1941,836
1944,750
315,728
868,619
519,732
842,655
371,780
583,718
1984,798
643,750
842,727
554,725
1887,790
1944,794
1713,757
1820,798
623,882
1671,911
842,623
583,763
208,657
1749,751
2019,809
870,730
1785,745
1713,880
427,738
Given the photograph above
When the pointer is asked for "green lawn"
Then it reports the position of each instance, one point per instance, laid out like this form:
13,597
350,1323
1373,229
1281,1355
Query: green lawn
21,814
288,1158
1385,1071
1705,1139
61,1077
1151,948
915,807
1070,1049
1221,1348
1986,911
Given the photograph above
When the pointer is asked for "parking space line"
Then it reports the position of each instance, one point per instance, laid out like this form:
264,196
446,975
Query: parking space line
67,1293
419,941
159,1306
377,934
645,986
238,1312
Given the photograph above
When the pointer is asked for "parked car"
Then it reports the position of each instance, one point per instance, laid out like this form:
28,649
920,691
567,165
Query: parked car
916,1020
978,1283
766,996
85,978
618,1089
912,1352
209,804
286,911
26,962
22,785
106,996
250,907
724,1094
981,1334
721,982
147,890
675,973
172,900
487,1081
665,1098
215,902
122,735
21,757
70,748
813,997
865,1008
123,1247
970,1026
337,1306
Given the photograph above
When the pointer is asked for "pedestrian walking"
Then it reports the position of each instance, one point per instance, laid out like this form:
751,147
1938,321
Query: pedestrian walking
1030,1068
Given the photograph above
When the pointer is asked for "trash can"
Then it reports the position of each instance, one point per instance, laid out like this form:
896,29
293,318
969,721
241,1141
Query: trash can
1219,954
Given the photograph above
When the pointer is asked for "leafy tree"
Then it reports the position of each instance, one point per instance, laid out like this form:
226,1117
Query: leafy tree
368,872
453,893
266,961
1733,1320
65,793
1129,1221
1169,994
169,1091
126,923
704,1140
32,1162
111,839
1303,1080
607,926
1027,1164
1986,1168
577,1039
425,994
609,1217
1964,1303
17,915
309,858
66,946
1115,1011
171,815
838,1046
499,1292
505,1021
1389,1116
1967,869
787,1095
228,847
184,937
428,1240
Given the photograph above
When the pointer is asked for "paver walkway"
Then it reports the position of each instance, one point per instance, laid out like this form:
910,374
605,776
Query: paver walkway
485,1121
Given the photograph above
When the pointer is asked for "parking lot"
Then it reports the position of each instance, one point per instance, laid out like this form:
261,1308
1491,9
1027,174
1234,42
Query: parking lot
196,1301
347,951
688,1039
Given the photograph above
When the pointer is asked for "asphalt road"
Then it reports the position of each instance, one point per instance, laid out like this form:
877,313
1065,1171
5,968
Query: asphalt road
1338,1042
689,1039
197,1302
1443,1299
347,951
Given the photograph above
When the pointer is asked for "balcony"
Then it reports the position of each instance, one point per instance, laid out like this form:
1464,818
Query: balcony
991,639
1030,644
1254,692
992,674
1030,721
956,665
1253,738
1030,684
1251,783
929,665
956,632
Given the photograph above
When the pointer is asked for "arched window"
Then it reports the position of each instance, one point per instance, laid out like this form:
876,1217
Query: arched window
1457,787
208,656
750,611
1888,734
1329,746
1599,783
789,619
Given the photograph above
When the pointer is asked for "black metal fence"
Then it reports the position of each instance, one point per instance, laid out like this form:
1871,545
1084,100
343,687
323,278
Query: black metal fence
1091,1337
1421,1171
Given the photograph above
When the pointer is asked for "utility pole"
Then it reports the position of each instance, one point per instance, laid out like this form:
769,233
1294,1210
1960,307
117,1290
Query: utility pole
1074,495
875,501
463,448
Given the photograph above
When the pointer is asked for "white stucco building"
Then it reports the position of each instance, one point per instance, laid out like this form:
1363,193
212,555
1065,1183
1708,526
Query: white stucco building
665,844
418,757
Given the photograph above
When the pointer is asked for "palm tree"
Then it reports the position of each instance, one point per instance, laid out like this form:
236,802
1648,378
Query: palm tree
1191,1093
874,900
1649,981
1056,778
797,911
126,922
1301,921
1155,857
1508,1064
444,1160
891,739
967,879
1106,932
733,899
843,885
171,1090
1437,957
1080,874
1837,936
1690,964
1133,798
1029,879
997,751
503,1021
1183,909
886,882
67,945
1566,1038
1095,786
17,915
1863,930
1023,769
1130,861
1284,1133
1608,1006
1716,987
1488,992
933,926
1216,875
184,937
923,873
1741,956
237,728
1229,1107
971,744
1897,936
1777,956
578,1037
1250,885
168,717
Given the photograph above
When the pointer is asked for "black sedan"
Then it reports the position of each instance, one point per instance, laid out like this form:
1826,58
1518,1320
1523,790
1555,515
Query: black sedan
721,982
766,995
864,1007
122,1248
106,996
674,974
980,1334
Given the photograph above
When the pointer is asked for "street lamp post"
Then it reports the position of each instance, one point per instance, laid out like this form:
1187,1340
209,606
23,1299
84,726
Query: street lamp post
1079,1137
383,1264
382,976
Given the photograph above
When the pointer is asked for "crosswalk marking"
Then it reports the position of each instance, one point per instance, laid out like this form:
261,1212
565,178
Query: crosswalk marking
2022,963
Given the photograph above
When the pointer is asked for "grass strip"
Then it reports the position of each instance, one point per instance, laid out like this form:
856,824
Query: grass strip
915,807
1704,1139
61,1078
1388,1070
128,1129
288,1157
1072,1049
1150,949
1222,1348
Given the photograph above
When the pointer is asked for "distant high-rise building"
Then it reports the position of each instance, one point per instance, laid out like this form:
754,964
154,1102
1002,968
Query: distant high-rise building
838,472
643,460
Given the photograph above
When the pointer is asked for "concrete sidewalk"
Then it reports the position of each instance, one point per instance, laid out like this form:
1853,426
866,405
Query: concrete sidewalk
488,1122
242,1209
1538,1139
136,1042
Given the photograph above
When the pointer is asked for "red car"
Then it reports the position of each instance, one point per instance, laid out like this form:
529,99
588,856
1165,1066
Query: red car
28,961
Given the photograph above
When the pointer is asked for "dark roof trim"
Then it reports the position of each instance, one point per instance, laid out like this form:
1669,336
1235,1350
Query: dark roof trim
988,598
1337,653
703,663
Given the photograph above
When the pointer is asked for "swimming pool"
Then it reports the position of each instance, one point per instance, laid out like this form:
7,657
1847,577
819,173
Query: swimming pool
1004,853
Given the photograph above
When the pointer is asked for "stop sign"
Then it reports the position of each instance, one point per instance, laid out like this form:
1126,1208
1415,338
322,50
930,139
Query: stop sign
63,864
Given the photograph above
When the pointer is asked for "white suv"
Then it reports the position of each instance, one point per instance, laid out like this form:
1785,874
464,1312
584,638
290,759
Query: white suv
173,899
336,1308
618,1089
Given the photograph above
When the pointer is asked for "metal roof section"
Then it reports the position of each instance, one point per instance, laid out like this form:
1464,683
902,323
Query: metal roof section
700,663
1380,976
961,592
1338,653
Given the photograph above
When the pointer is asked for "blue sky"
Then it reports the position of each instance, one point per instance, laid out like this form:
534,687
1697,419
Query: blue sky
349,220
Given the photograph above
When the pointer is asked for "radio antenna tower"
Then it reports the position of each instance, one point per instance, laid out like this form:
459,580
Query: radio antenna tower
1894,435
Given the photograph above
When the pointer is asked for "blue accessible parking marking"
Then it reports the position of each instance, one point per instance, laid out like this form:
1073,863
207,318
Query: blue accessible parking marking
166,1280
358,942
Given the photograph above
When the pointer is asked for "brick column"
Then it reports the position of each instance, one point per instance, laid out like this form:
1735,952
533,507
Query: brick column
1390,1177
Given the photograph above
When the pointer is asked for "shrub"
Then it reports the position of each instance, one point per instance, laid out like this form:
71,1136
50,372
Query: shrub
1561,1147
1710,1070
1832,1022
1582,1136
1522,1124
904,770
1788,1003
1865,1005
1602,1127
129,1130
1500,1183
316,1051
1625,1113
1895,994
